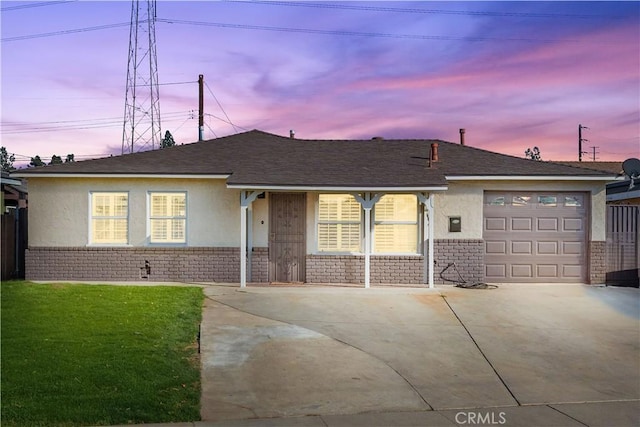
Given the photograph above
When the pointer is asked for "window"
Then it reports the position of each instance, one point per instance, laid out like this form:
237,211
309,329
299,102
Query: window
168,217
520,200
109,218
547,201
573,201
396,224
339,223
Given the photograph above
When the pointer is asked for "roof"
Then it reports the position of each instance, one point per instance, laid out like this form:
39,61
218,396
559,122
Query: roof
260,159
613,167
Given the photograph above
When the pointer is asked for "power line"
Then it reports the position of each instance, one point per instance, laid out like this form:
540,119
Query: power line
420,11
221,108
38,4
365,34
63,32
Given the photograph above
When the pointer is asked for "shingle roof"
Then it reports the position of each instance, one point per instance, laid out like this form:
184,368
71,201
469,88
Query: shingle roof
613,167
258,158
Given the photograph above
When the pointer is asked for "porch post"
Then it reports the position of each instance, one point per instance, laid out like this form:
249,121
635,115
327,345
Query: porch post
430,210
367,201
246,198
427,246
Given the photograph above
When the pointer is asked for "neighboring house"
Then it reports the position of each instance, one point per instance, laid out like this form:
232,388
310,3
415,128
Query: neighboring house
619,192
257,207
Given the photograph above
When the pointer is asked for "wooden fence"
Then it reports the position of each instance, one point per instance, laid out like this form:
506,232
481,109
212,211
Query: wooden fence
623,245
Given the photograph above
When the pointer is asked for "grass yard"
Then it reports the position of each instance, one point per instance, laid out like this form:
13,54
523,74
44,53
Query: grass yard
99,355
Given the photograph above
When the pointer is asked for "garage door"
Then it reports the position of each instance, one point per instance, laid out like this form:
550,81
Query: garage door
535,236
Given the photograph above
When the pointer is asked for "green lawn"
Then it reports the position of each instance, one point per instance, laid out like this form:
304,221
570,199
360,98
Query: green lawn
99,355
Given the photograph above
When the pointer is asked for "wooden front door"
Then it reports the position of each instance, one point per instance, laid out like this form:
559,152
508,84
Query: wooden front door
287,246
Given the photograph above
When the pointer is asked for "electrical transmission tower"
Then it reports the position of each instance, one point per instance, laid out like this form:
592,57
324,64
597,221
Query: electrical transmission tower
141,129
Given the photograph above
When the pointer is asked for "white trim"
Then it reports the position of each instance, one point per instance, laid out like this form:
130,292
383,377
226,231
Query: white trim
606,178
336,189
116,175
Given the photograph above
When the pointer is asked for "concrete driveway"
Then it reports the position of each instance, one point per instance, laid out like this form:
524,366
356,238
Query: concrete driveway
520,354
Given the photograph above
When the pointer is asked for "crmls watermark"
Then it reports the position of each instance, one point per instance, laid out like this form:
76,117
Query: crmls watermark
481,418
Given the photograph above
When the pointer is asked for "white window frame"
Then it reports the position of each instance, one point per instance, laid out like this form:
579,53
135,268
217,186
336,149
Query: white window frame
318,222
150,218
416,222
92,218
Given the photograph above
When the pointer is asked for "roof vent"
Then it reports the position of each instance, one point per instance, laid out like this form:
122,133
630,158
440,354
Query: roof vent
462,131
292,134
377,138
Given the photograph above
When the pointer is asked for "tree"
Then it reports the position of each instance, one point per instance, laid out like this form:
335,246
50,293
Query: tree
55,160
533,154
69,158
167,141
6,160
36,161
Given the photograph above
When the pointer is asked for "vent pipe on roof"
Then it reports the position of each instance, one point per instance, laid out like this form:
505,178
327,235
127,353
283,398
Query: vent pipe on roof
462,131
292,134
434,153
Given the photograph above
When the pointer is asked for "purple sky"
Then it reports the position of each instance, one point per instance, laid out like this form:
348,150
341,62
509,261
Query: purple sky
514,74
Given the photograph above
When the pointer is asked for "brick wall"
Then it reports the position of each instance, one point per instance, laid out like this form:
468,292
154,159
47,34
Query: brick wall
468,256
597,262
167,264
223,264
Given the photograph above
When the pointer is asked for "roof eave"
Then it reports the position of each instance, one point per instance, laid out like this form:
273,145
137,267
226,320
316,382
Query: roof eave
336,189
604,178
122,175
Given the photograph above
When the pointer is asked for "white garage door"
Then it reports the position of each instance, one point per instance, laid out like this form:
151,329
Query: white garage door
535,236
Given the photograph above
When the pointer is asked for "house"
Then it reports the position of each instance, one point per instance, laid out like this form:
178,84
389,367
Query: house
258,207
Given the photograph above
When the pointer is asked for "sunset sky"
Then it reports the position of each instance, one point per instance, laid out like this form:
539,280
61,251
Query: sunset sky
514,74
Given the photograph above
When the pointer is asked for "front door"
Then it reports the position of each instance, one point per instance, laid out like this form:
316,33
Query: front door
287,247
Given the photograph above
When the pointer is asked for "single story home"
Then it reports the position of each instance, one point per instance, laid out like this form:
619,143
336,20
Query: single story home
262,208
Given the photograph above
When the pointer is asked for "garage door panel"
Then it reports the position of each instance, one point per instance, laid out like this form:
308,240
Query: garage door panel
496,247
521,248
522,271
572,224
521,224
572,271
495,224
572,248
547,248
496,271
548,224
535,236
547,271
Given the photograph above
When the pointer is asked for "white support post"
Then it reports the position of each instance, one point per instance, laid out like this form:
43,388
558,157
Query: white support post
367,201
243,246
367,247
432,226
246,198
427,244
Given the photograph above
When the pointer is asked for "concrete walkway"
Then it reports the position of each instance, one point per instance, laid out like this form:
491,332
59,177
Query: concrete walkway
519,355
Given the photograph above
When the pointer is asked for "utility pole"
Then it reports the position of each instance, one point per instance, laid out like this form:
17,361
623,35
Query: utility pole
201,108
141,130
580,141
594,153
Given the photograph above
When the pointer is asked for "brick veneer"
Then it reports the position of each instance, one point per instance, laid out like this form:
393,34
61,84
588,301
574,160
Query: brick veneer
167,264
597,262
468,255
223,264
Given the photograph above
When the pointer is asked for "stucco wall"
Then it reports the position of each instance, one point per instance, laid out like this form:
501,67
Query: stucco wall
59,210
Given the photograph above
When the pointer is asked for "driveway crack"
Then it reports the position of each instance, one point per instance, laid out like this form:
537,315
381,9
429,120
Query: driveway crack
480,350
